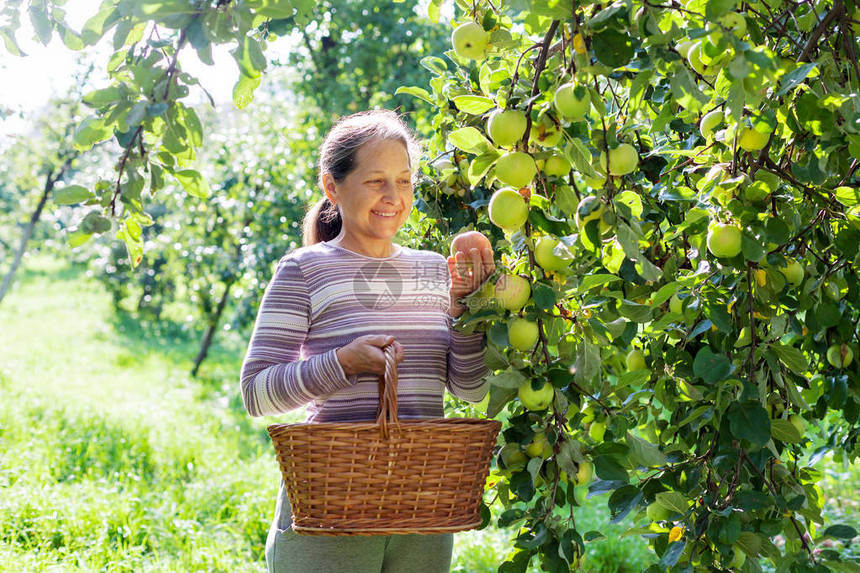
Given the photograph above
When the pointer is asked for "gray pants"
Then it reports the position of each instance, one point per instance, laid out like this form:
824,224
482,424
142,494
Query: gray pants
288,552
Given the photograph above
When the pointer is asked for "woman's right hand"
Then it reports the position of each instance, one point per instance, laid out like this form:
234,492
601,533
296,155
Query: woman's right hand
365,354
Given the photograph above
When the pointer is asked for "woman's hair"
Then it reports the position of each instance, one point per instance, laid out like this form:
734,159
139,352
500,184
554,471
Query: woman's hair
337,157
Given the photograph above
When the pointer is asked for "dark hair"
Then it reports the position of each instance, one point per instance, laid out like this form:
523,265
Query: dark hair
337,157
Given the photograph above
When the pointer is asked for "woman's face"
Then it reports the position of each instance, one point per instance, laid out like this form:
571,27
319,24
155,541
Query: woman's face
375,199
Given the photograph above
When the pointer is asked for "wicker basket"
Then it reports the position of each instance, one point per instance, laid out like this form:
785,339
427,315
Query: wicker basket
388,477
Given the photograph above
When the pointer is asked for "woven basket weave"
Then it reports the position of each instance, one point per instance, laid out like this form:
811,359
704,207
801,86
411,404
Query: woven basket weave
388,477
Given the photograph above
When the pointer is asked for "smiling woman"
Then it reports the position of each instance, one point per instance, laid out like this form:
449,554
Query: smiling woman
336,303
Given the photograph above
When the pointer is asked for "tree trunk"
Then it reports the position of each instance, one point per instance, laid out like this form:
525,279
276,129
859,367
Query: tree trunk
210,331
28,232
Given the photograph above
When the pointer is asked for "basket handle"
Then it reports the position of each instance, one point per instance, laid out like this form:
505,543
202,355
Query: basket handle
387,411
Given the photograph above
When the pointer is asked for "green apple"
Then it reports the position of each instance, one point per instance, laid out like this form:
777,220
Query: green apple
840,355
584,473
512,292
752,140
516,169
539,447
696,59
506,127
589,209
512,457
571,100
735,22
508,209
557,166
545,133
522,333
798,422
470,41
658,512
636,360
793,272
683,48
465,242
536,399
622,160
724,240
587,415
709,121
596,431
676,305
547,258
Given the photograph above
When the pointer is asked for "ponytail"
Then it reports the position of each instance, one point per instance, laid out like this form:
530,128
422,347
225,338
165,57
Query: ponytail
321,223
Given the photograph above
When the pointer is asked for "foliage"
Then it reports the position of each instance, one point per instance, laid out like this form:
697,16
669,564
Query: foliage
712,436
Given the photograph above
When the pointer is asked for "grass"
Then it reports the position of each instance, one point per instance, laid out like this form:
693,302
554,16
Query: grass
112,458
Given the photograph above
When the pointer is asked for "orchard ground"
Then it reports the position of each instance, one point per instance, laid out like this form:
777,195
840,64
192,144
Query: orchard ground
113,458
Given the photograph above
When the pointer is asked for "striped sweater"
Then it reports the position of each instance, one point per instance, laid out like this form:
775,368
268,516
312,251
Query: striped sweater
322,297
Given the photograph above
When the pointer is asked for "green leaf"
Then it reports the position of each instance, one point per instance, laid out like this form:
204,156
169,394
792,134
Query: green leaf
591,281
90,131
672,554
544,295
162,8
673,501
580,157
588,362
791,357
644,453
420,93
612,47
243,91
98,25
607,468
102,97
470,140
848,196
499,397
749,421
249,57
72,194
711,367
622,501
784,431
42,24
193,183
632,201
479,166
277,9
794,78
840,531
507,379
474,105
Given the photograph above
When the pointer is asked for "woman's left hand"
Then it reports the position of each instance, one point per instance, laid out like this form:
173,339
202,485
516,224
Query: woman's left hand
468,271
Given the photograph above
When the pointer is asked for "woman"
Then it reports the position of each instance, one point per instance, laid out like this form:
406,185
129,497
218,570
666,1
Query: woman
335,303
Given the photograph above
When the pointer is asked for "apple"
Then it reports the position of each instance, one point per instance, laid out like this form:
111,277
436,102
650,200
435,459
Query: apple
709,121
506,127
752,140
798,422
589,209
522,333
465,242
636,360
539,447
658,512
470,41
512,292
736,23
536,399
694,57
584,473
793,272
545,133
622,160
676,305
683,48
596,431
516,169
508,209
840,355
557,166
547,258
724,240
512,457
571,100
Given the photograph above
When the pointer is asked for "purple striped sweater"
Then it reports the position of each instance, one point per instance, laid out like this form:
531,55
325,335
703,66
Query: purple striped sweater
322,297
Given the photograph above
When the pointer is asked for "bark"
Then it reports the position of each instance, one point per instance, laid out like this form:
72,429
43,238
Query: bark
209,335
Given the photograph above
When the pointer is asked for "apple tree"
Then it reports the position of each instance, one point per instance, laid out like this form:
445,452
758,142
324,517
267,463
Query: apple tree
676,183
